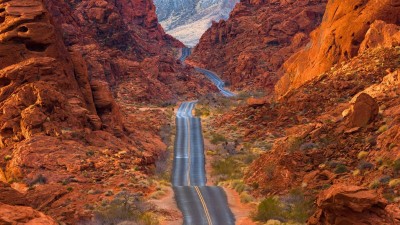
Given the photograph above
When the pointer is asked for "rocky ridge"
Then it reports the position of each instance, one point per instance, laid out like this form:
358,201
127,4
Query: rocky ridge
72,77
249,48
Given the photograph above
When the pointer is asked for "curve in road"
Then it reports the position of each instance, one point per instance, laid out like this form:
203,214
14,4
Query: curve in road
213,77
200,204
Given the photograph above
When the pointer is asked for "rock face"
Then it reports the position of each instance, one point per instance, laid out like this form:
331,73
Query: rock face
336,40
381,34
23,215
187,20
250,47
342,204
65,124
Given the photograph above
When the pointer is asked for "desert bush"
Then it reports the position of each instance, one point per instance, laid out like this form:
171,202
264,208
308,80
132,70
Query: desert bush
363,165
375,184
245,197
124,207
293,144
394,183
39,179
298,208
269,208
362,155
217,138
226,167
340,168
162,165
396,165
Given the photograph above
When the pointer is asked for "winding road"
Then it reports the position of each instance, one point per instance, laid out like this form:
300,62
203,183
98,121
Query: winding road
200,204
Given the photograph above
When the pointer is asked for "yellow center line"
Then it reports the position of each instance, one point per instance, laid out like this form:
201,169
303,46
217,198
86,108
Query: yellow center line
204,205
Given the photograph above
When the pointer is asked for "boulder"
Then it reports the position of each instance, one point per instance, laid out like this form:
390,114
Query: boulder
351,205
381,34
23,215
363,111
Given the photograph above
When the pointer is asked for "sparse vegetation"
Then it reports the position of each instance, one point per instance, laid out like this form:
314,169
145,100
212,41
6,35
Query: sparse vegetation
294,207
362,155
217,138
125,207
340,168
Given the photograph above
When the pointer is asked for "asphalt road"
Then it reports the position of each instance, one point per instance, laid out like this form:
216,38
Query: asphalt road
185,53
200,204
217,81
220,84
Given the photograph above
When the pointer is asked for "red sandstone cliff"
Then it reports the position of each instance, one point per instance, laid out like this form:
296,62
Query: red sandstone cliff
339,37
250,47
69,73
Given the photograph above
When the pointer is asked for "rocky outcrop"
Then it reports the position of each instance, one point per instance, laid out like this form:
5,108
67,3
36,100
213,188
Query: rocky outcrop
381,34
363,111
336,40
250,47
343,204
23,215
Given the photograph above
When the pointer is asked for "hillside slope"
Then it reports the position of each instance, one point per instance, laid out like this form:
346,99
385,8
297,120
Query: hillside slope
250,47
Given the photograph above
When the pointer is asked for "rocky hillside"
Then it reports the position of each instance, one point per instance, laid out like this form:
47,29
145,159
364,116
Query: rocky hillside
187,20
338,39
332,132
250,47
71,76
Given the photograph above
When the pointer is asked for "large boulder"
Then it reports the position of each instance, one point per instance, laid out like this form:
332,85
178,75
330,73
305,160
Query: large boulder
363,111
351,205
23,215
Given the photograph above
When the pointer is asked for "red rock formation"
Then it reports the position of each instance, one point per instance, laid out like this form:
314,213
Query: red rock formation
250,47
62,132
23,215
352,205
339,37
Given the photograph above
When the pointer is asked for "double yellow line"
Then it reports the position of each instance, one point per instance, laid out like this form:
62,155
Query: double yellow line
203,203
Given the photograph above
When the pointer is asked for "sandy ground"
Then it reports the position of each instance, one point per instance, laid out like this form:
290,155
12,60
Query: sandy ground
168,208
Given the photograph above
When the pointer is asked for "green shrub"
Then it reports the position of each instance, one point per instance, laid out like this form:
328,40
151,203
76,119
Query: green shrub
246,198
396,165
7,158
269,208
226,167
217,138
340,168
293,144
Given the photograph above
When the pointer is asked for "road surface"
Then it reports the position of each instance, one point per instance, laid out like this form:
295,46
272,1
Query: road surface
200,204
220,84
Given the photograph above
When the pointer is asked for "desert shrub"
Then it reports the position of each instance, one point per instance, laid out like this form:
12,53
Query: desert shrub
39,179
226,167
7,158
217,138
149,218
375,184
382,129
308,146
293,144
245,197
362,155
124,207
396,165
363,165
269,208
162,165
394,183
340,168
298,208
384,179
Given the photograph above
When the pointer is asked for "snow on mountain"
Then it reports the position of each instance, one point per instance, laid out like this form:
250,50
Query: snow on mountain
187,20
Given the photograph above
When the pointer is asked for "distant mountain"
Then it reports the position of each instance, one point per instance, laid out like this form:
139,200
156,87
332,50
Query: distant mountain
187,20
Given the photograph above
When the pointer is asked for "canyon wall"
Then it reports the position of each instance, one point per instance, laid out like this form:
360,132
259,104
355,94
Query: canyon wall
338,39
249,48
